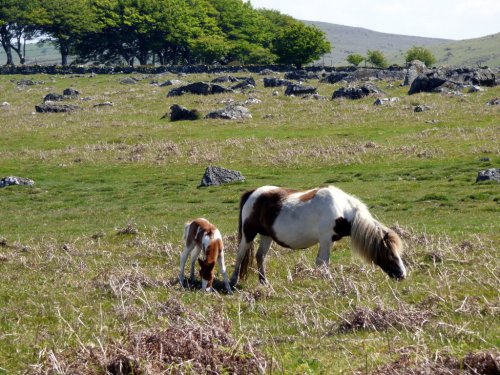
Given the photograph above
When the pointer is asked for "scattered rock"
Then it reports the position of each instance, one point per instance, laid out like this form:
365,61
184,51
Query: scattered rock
421,108
199,88
231,112
297,90
252,100
301,75
53,97
71,92
485,159
5,105
474,89
494,101
171,82
337,77
56,108
129,81
354,92
104,104
314,96
276,82
247,83
266,72
14,180
27,82
385,101
178,113
415,68
492,174
223,79
215,176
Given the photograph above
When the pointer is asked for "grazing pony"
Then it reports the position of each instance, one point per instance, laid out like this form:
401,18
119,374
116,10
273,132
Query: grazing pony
300,219
206,238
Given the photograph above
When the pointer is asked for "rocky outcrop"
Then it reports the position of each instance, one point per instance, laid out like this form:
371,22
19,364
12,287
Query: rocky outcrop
231,112
276,82
178,113
355,92
492,174
199,88
298,90
56,107
14,180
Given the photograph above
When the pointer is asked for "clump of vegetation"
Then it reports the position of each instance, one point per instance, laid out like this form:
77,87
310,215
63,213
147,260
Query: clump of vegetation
420,53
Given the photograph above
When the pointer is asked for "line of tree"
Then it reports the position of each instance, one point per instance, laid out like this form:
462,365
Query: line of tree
159,32
377,58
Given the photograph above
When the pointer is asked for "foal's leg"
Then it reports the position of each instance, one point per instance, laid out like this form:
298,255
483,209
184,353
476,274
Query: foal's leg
222,267
194,255
242,250
187,250
265,244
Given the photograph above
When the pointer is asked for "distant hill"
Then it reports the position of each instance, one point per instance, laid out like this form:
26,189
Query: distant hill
347,40
484,51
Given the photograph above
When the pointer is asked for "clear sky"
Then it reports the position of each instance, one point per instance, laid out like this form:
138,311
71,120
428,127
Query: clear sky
450,19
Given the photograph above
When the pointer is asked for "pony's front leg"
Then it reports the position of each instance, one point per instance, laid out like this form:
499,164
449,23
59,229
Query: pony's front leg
222,267
325,246
265,244
242,251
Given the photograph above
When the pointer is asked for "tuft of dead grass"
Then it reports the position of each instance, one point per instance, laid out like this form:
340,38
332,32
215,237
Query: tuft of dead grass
191,344
380,319
481,362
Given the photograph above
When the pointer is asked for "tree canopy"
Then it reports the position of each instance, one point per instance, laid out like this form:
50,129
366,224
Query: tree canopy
161,31
376,58
420,53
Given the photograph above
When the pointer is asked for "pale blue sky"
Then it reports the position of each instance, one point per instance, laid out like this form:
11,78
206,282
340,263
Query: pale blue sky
450,19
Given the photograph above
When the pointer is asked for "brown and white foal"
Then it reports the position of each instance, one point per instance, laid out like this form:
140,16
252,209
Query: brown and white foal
206,239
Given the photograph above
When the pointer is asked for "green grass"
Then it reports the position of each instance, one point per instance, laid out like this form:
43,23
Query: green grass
66,272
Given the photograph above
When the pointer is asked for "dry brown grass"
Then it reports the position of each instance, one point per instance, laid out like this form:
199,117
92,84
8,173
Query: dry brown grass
191,343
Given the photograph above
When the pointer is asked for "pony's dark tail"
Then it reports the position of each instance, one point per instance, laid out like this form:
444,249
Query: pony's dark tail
249,255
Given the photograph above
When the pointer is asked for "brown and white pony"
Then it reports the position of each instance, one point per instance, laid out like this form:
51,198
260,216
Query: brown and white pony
300,219
203,236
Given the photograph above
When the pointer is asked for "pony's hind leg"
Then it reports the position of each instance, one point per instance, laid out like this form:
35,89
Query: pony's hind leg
187,250
265,244
194,255
242,251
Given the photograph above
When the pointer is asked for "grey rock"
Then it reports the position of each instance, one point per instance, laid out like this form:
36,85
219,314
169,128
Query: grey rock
266,72
223,79
53,97
5,105
199,88
355,92
14,180
56,108
492,174
474,89
128,81
247,83
215,176
171,82
71,92
276,82
337,77
178,113
231,112
494,101
104,104
297,90
421,108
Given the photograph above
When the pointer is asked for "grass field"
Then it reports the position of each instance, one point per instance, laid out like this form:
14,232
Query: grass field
89,255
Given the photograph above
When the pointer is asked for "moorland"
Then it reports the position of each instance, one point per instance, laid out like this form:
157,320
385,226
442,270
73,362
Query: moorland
89,254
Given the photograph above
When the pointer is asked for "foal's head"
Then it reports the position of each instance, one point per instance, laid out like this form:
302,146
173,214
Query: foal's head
388,255
211,248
